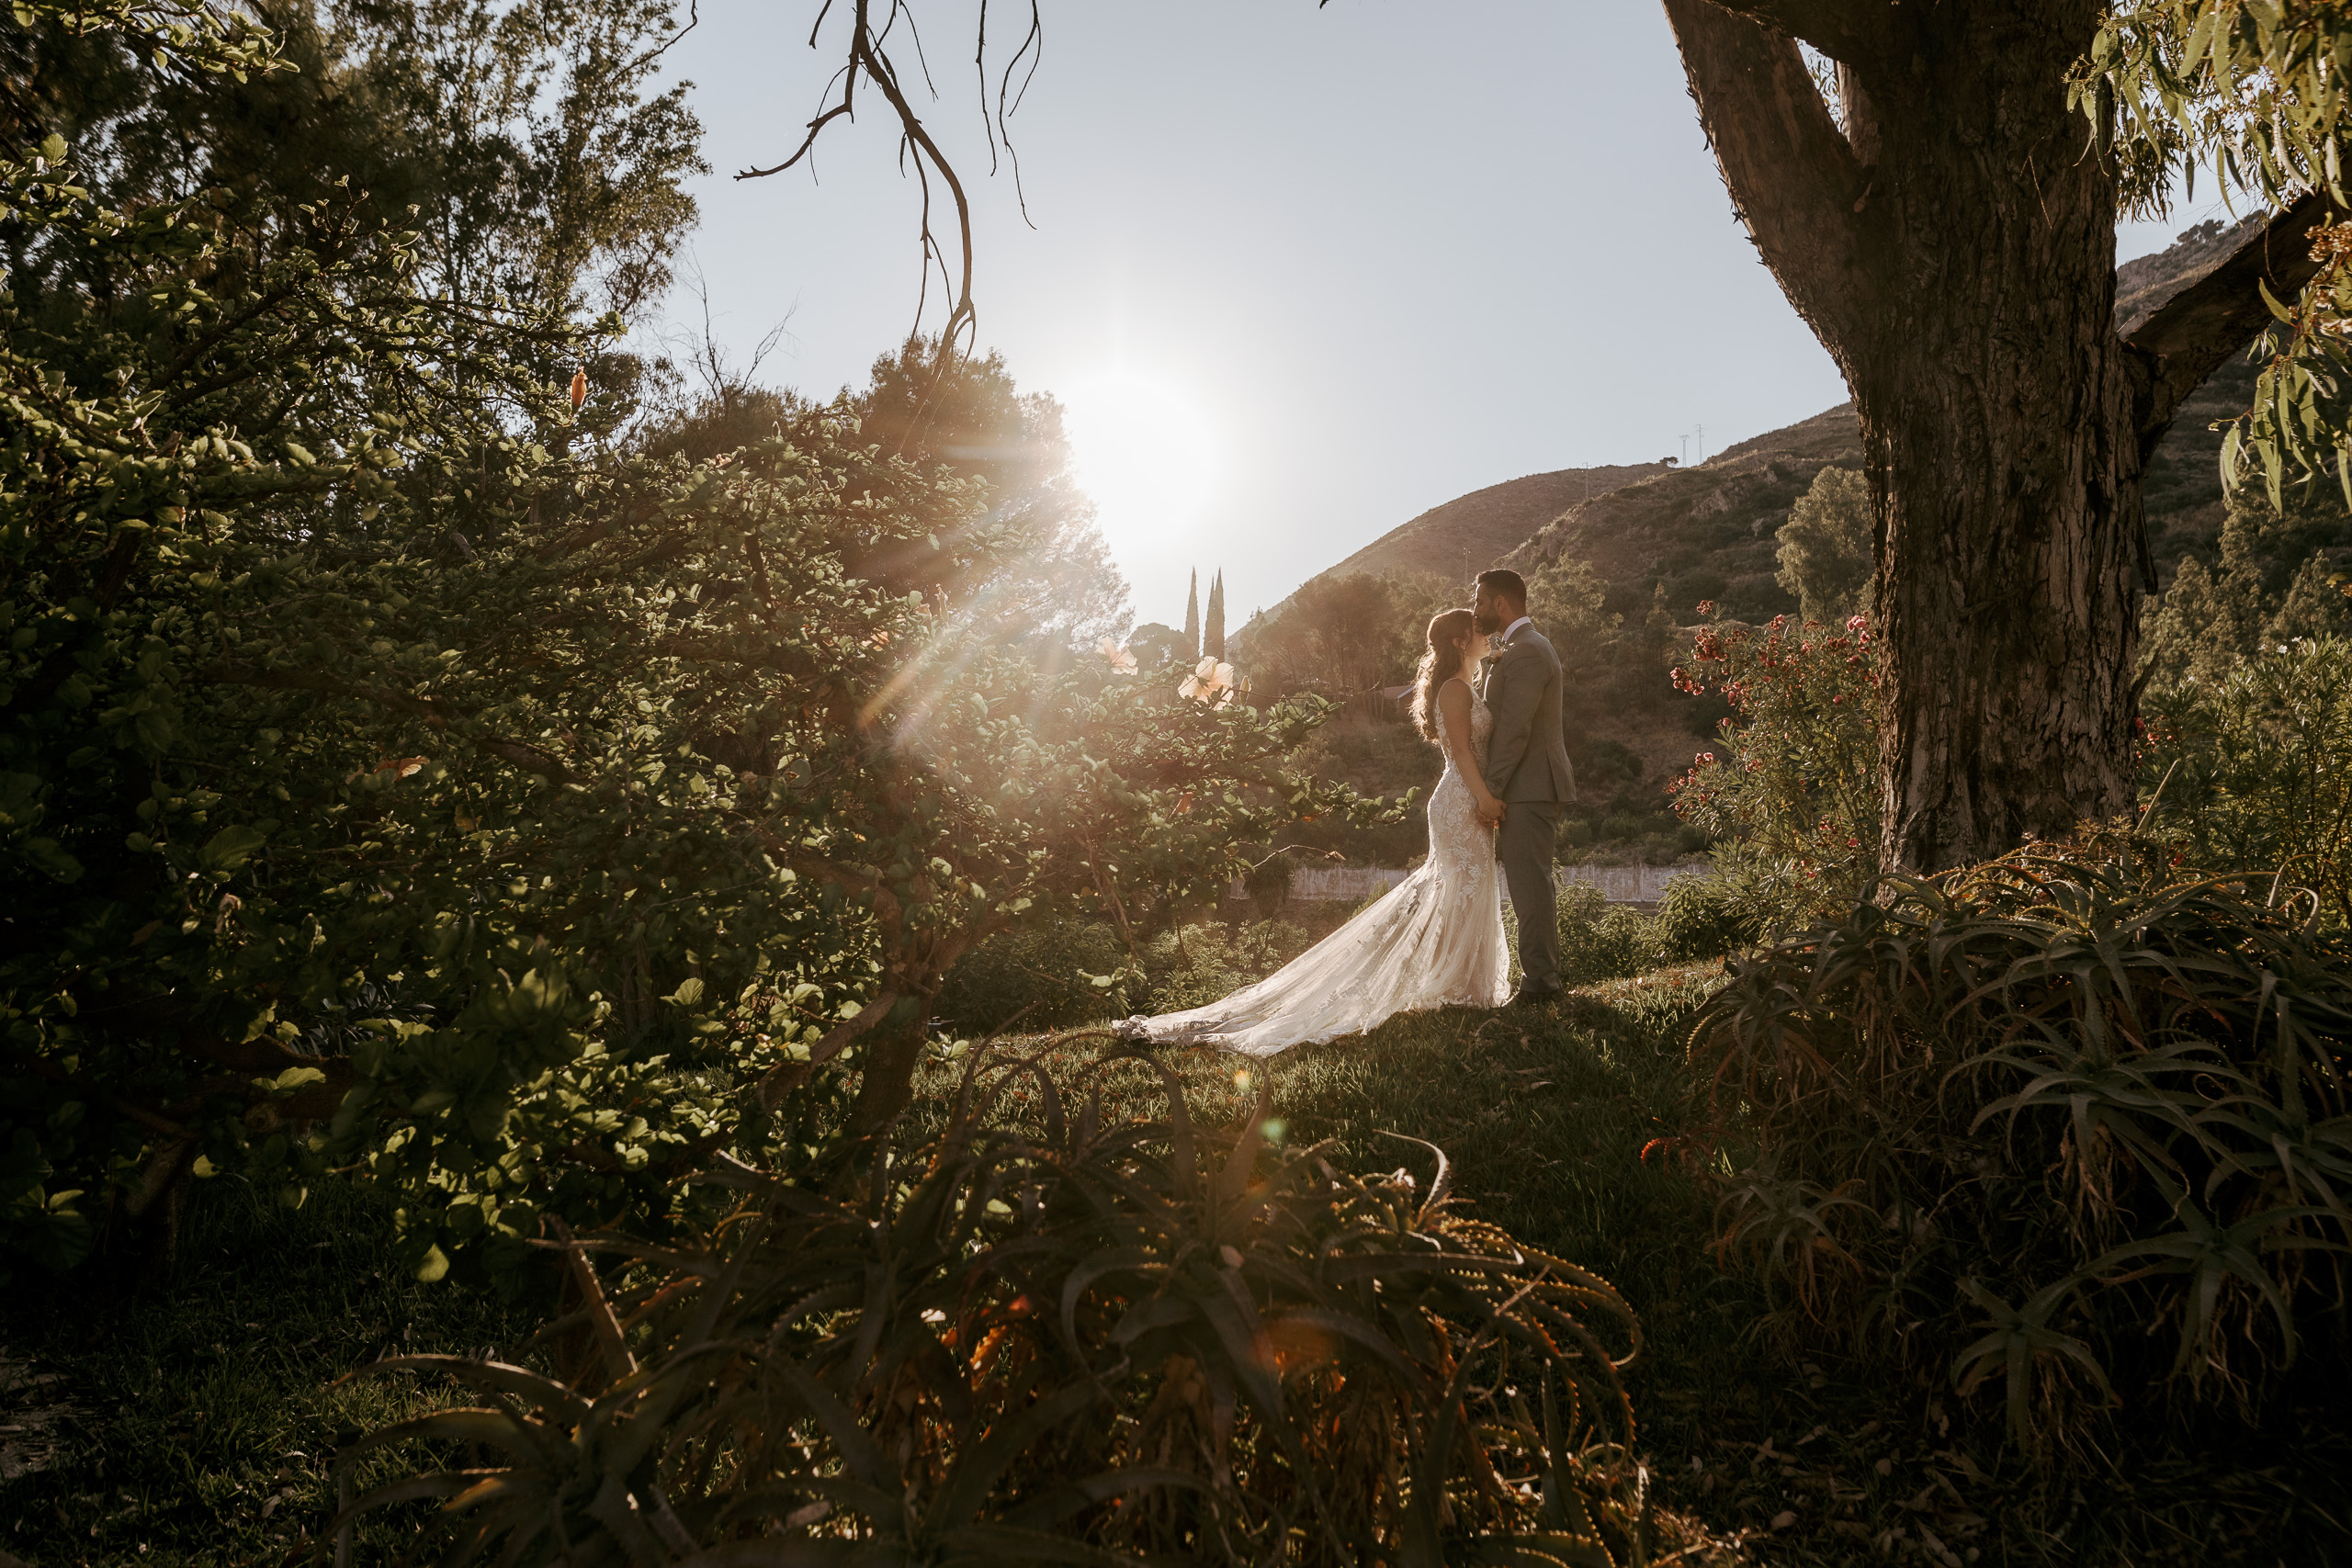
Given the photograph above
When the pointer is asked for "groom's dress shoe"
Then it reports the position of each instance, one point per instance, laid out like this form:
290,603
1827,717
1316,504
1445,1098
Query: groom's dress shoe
1525,998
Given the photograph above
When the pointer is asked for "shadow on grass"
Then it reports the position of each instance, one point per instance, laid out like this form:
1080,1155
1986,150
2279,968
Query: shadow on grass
205,1410
1756,1453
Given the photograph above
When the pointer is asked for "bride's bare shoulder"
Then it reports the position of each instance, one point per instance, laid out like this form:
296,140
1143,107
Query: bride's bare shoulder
1454,695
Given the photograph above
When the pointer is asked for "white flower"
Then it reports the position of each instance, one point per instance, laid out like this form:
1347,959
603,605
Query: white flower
1211,683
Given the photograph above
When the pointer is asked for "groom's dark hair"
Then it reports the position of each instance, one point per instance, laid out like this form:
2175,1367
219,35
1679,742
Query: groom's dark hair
1504,584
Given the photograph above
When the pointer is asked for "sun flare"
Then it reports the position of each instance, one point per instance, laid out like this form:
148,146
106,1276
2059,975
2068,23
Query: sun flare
1144,450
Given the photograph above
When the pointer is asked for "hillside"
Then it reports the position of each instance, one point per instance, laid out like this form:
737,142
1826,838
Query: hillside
2183,485
1486,523
1707,532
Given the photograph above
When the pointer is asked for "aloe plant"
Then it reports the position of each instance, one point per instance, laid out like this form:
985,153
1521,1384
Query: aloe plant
2070,1124
1078,1342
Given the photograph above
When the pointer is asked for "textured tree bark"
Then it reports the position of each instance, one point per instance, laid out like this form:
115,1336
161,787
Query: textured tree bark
1953,247
887,1084
915,966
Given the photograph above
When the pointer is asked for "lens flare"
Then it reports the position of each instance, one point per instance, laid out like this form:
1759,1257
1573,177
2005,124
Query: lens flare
1144,451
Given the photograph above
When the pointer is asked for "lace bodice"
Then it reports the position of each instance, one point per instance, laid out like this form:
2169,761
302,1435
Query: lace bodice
1481,730
1436,940
1457,834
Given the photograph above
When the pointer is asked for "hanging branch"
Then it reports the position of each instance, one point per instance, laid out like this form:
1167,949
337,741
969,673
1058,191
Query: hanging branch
868,61
995,126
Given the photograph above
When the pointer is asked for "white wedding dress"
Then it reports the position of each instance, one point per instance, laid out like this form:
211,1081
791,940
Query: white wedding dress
1434,940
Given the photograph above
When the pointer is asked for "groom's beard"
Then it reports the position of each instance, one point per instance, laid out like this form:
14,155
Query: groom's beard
1488,625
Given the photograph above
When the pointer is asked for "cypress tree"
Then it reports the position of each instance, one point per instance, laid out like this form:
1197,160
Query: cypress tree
1213,634
1192,619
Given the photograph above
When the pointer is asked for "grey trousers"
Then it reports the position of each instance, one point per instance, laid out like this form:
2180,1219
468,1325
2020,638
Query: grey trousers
1524,847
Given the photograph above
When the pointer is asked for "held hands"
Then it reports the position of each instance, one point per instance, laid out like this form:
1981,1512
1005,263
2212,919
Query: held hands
1490,812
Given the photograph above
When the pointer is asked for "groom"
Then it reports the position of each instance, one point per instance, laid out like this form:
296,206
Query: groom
1527,771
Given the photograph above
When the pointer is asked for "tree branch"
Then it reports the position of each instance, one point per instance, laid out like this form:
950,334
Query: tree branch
785,1077
520,753
1853,32
2186,338
1795,181
868,60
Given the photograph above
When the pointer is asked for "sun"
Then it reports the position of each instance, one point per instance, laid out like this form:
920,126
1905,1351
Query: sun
1144,451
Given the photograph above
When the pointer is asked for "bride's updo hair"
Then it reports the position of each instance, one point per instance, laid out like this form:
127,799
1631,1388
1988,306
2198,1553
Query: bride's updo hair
1439,662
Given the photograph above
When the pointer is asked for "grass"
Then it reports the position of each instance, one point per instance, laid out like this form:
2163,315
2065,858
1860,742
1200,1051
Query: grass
203,1400
205,1410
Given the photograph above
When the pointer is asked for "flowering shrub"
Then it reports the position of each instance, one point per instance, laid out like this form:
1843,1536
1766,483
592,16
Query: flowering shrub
1790,792
2248,766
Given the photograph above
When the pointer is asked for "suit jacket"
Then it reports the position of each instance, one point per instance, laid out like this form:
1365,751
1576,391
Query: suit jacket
1527,759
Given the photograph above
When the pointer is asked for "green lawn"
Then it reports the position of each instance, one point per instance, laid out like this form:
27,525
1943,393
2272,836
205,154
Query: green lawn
205,1411
208,1405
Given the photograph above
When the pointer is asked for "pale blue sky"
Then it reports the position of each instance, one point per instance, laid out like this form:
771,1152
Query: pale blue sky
1300,274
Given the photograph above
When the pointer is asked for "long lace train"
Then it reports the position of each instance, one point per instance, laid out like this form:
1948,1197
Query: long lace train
1434,940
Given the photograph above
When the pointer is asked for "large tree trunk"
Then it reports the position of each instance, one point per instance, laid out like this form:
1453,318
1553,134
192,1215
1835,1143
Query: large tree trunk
1998,426
1953,246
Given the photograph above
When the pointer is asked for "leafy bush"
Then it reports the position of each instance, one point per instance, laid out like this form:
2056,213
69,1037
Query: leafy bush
1040,974
2251,764
1704,917
1790,796
1377,758
2054,1124
1268,883
1824,546
1192,965
1601,941
347,657
1082,1344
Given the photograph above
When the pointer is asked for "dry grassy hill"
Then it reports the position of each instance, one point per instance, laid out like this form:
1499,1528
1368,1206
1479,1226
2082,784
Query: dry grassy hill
1709,531
1486,523
1706,532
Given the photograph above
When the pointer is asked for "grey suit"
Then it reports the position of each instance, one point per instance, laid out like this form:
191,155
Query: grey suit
1528,770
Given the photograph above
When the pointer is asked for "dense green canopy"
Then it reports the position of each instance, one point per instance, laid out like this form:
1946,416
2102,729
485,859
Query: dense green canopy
407,769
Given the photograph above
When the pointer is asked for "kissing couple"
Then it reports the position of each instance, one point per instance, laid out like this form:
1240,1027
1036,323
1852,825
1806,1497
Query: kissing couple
1436,939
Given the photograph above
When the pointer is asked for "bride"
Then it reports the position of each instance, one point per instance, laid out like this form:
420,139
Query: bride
1434,940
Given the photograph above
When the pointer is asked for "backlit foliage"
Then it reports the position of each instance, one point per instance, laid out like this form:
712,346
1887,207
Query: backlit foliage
397,775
